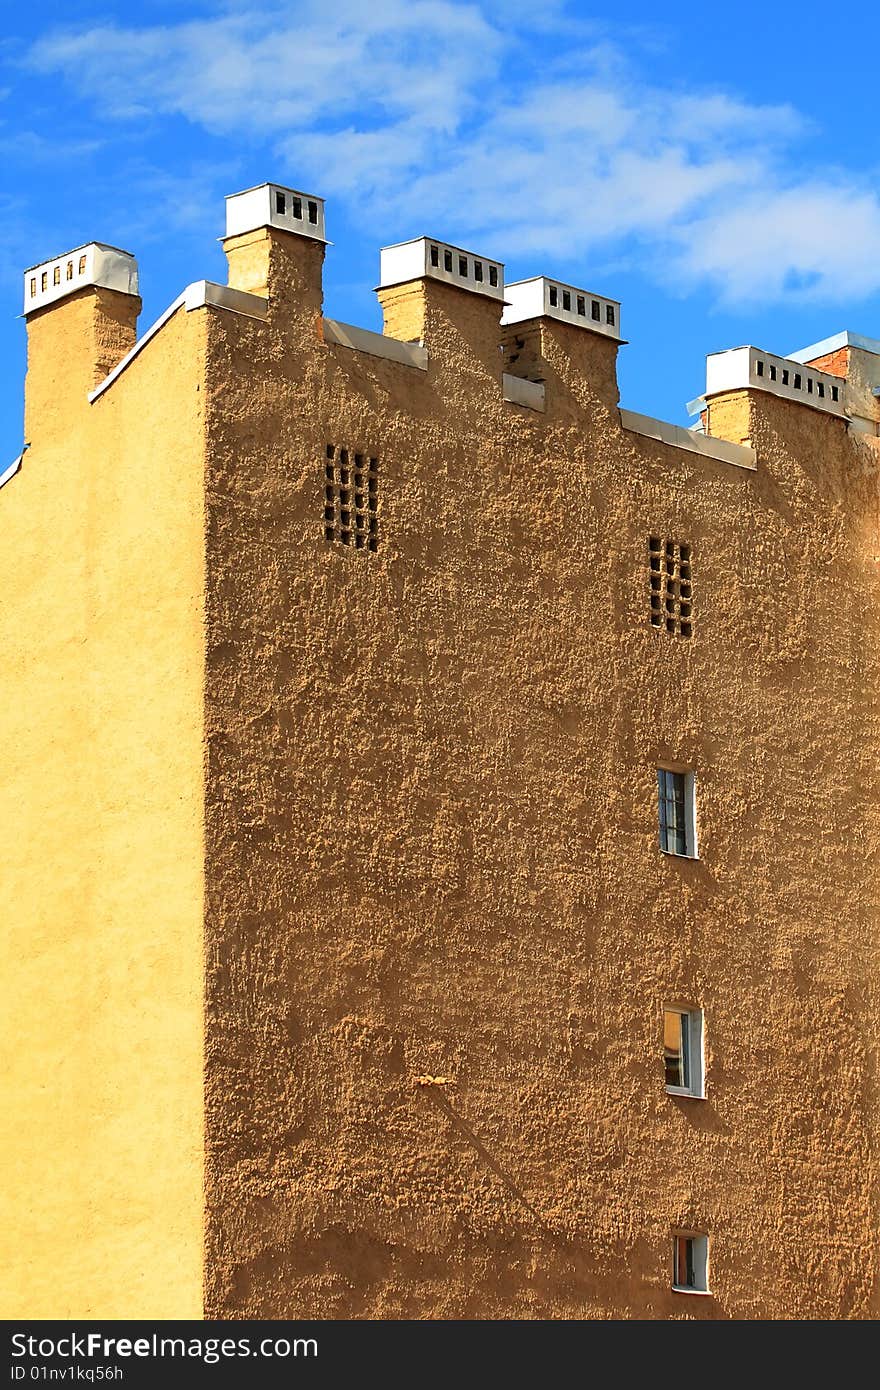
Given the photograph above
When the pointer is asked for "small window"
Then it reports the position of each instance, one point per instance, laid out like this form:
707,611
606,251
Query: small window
554,296
596,311
296,206
447,261
582,306
820,387
435,255
566,299
797,381
70,270
56,275
280,203
690,1263
349,514
772,372
44,280
493,275
683,1051
759,368
835,393
677,812
810,385
82,265
33,285
785,376
478,270
669,573
462,265
313,213
609,314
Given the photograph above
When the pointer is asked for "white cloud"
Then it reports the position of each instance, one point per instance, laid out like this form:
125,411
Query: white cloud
440,110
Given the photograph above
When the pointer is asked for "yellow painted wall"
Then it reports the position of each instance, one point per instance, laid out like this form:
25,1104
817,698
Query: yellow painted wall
101,776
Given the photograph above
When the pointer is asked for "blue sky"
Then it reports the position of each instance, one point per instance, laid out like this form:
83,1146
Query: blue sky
716,169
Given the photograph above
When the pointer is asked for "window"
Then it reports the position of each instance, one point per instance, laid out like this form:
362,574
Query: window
595,311
566,299
435,255
759,367
351,498
447,261
82,265
609,314
582,306
313,213
493,275
462,265
772,372
478,270
677,812
297,208
671,586
554,296
56,275
690,1263
280,202
683,1051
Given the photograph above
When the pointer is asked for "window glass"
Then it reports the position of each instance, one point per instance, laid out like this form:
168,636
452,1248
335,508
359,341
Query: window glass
675,1048
673,833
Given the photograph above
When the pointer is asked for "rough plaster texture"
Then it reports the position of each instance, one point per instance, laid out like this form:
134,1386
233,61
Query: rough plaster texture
431,831
432,842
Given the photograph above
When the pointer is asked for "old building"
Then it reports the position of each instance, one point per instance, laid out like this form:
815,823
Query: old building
441,808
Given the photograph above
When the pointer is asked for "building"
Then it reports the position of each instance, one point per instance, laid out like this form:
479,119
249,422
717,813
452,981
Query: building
441,807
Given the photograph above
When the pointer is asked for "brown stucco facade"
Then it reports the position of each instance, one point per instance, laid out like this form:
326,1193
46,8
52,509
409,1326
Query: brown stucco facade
409,932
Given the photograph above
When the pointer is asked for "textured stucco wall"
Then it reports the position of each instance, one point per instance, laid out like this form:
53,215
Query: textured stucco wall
432,842
101,777
430,834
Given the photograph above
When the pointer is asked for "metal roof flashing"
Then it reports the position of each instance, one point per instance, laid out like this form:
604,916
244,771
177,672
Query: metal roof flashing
198,295
834,344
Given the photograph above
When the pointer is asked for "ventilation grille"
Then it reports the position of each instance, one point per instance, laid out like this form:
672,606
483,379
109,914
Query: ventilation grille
351,499
671,586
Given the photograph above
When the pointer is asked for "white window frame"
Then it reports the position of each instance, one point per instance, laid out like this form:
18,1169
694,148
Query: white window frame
690,812
701,1262
696,1057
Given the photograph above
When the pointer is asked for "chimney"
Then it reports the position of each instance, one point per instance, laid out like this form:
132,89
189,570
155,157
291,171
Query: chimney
445,298
856,361
563,336
81,311
274,247
744,379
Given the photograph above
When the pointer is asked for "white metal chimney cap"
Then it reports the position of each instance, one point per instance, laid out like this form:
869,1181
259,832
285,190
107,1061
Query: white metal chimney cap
542,297
748,368
92,264
438,260
273,205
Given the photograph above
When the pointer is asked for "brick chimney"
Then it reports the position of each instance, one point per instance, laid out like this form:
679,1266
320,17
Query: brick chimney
855,360
81,311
